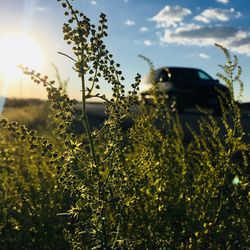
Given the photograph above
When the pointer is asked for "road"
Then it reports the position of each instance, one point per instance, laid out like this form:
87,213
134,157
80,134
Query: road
96,114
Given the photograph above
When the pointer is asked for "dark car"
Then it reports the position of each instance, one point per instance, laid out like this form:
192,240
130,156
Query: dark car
188,87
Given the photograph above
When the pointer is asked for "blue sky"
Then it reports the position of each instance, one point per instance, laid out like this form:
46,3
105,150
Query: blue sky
174,33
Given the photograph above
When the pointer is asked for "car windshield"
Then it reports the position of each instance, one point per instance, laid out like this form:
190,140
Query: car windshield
185,74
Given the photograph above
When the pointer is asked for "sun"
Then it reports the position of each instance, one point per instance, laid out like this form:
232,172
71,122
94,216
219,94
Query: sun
16,49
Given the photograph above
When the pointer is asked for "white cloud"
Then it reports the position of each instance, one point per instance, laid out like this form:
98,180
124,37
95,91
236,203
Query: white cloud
41,8
129,22
170,16
211,14
147,42
204,56
125,1
209,30
198,35
222,1
234,39
143,29
93,2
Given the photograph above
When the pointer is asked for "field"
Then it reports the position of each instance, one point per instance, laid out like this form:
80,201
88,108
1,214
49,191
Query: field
35,114
35,210
124,175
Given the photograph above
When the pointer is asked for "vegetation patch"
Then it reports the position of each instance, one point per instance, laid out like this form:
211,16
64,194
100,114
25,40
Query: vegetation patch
139,188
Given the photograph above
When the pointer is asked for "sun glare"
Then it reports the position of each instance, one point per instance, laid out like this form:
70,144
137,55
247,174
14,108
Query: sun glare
16,49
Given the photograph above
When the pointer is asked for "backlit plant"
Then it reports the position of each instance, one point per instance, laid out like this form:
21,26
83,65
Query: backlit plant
115,187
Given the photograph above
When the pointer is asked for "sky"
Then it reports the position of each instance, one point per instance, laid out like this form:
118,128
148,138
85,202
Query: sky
169,32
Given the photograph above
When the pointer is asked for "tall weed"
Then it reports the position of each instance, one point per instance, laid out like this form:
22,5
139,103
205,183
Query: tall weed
143,187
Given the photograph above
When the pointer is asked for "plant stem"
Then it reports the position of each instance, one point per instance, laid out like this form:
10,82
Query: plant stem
85,118
84,113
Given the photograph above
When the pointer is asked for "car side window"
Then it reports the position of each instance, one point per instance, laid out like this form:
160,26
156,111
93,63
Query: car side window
203,76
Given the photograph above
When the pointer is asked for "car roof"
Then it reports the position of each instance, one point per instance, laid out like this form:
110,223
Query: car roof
146,79
173,68
176,68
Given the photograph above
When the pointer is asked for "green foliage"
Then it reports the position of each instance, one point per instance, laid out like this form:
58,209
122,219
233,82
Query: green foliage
143,187
30,192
